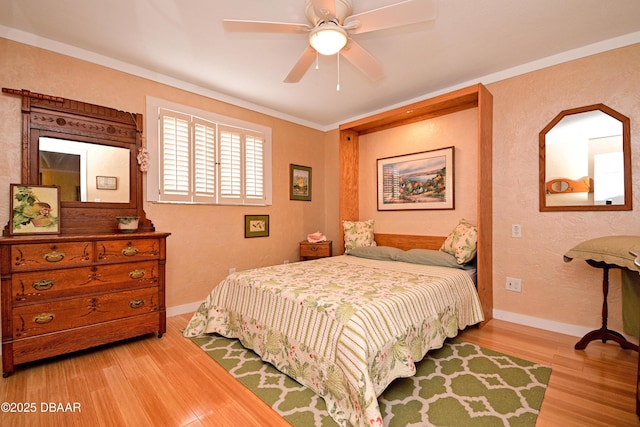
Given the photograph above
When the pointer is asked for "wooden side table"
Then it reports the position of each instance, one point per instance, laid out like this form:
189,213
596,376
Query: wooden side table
310,250
604,333
606,253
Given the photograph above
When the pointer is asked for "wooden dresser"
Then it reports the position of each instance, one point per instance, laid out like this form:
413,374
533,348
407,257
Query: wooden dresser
85,283
70,292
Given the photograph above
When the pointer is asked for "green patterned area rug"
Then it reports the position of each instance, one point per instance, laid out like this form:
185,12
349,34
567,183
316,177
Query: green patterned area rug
458,385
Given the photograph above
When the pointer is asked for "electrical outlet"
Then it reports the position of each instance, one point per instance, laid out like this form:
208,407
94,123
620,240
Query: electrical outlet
286,261
514,284
232,270
516,230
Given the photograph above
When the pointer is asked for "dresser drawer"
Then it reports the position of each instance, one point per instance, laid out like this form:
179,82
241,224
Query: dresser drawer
315,250
39,286
37,319
123,250
53,344
50,255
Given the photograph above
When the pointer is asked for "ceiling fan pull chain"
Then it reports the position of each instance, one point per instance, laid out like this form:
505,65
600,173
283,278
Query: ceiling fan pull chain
338,87
317,60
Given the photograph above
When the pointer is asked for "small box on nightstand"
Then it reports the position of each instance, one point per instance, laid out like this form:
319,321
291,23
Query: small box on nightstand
310,250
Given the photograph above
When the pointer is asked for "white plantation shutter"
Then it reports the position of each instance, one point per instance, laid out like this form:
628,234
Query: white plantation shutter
204,139
174,146
254,167
230,165
204,158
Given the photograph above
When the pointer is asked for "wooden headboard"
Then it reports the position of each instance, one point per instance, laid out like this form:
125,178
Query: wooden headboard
407,241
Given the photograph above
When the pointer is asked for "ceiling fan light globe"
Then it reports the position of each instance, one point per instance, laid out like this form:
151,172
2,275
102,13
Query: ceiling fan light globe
328,41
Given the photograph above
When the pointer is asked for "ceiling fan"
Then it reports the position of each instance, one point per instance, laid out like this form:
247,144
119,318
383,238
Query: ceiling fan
331,26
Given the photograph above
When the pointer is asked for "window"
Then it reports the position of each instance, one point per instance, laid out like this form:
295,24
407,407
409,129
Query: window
205,158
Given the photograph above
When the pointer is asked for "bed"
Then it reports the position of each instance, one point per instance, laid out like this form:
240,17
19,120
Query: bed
346,326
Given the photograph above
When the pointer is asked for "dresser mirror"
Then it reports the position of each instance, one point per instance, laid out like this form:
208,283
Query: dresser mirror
89,151
585,161
85,172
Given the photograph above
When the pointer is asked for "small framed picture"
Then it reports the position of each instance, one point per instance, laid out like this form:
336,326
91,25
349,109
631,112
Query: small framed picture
299,182
106,183
256,225
35,209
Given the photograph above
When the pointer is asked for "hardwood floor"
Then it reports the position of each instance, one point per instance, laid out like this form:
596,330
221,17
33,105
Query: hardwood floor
171,382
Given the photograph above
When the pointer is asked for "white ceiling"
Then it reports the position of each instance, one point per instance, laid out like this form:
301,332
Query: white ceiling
182,43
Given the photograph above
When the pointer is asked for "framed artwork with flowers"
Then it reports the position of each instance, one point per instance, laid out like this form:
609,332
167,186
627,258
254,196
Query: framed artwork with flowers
35,209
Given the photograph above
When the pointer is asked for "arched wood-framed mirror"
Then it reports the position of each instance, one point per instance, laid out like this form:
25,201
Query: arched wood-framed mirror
101,142
585,161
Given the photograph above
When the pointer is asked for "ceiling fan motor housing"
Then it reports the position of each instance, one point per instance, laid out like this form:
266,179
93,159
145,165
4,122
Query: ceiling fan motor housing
343,8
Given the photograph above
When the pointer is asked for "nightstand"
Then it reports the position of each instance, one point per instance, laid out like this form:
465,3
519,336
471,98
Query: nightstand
314,250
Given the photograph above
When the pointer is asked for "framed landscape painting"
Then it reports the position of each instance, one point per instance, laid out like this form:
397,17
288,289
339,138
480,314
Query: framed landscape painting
35,209
416,181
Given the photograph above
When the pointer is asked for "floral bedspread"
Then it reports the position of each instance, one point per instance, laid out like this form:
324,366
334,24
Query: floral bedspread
343,326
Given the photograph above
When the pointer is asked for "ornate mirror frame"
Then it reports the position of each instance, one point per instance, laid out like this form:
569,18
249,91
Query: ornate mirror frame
626,150
55,117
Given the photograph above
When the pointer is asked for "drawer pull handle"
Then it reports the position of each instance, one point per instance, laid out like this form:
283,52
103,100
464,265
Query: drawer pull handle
43,285
130,251
54,256
136,274
314,248
136,303
43,318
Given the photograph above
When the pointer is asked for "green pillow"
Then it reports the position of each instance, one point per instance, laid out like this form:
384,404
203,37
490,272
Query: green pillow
383,253
431,257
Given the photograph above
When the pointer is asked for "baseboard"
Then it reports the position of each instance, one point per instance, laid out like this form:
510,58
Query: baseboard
548,325
182,309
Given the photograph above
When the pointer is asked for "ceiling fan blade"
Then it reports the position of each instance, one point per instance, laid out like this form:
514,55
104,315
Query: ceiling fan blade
403,13
264,26
362,60
324,9
301,67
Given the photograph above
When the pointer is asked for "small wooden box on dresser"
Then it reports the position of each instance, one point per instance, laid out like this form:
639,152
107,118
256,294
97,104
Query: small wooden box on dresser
317,250
66,293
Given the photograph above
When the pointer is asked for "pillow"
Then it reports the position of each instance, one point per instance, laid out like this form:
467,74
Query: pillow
430,257
608,249
462,243
382,253
357,233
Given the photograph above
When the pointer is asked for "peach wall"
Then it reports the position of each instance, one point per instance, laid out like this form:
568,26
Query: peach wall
331,187
568,293
205,241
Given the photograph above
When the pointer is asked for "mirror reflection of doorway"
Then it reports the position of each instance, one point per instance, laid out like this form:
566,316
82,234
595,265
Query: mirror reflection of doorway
75,167
64,166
